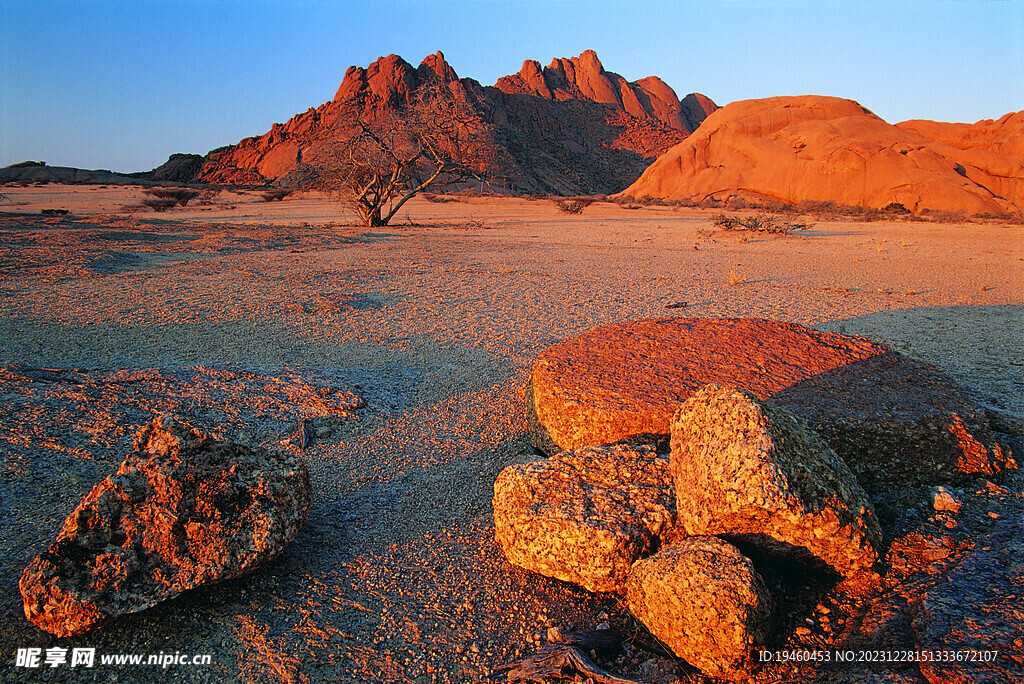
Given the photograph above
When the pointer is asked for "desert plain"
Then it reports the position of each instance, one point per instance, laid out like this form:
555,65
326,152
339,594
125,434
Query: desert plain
245,316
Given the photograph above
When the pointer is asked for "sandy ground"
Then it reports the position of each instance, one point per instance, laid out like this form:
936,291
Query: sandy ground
239,313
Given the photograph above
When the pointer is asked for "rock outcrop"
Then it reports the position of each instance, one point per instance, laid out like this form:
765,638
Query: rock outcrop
757,474
1003,136
705,600
584,78
181,511
584,516
25,172
571,128
179,168
890,418
793,149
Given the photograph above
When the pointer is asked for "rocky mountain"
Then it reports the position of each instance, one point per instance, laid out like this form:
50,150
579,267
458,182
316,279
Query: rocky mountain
825,148
569,128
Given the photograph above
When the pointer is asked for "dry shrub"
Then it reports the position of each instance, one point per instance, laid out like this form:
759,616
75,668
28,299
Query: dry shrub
159,203
575,205
735,203
759,223
943,216
206,197
180,196
1008,217
442,199
276,194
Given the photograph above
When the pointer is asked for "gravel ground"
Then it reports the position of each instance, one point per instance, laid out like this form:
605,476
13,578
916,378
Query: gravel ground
423,333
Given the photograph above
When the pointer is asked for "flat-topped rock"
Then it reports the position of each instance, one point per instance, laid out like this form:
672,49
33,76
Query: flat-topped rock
182,510
584,516
890,418
751,471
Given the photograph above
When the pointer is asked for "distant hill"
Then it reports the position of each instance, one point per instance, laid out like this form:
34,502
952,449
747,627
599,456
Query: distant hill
793,149
569,128
32,171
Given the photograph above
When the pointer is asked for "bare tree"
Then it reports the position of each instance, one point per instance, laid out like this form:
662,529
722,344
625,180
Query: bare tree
382,161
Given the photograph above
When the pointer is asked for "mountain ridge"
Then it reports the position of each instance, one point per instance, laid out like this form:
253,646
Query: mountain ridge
570,128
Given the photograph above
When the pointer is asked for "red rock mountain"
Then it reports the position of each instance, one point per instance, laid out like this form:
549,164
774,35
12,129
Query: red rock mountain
825,148
570,128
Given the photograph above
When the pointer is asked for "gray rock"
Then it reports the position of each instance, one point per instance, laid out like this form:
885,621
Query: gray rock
181,511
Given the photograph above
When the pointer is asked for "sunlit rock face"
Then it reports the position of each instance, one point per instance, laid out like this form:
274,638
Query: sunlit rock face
795,149
569,128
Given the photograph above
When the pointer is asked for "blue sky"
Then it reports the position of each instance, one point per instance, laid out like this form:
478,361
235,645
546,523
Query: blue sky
123,84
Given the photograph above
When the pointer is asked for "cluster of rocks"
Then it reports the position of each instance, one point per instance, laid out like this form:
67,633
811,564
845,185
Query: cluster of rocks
623,519
745,475
182,510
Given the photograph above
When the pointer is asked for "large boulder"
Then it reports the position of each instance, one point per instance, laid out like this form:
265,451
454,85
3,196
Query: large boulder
705,600
892,419
584,516
756,473
813,148
181,511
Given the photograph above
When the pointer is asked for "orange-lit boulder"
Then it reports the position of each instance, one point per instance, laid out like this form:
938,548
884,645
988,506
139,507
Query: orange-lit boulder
830,149
181,511
891,418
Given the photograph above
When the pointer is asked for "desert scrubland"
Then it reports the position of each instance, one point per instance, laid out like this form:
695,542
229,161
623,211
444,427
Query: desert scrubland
245,316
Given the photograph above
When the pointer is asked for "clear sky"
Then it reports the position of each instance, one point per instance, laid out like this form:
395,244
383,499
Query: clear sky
123,84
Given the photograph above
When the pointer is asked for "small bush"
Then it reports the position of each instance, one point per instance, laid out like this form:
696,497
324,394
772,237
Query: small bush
441,199
944,216
895,208
1012,218
206,197
573,206
180,196
276,194
159,203
760,224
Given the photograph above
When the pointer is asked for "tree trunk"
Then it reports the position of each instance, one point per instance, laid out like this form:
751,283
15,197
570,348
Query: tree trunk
373,218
